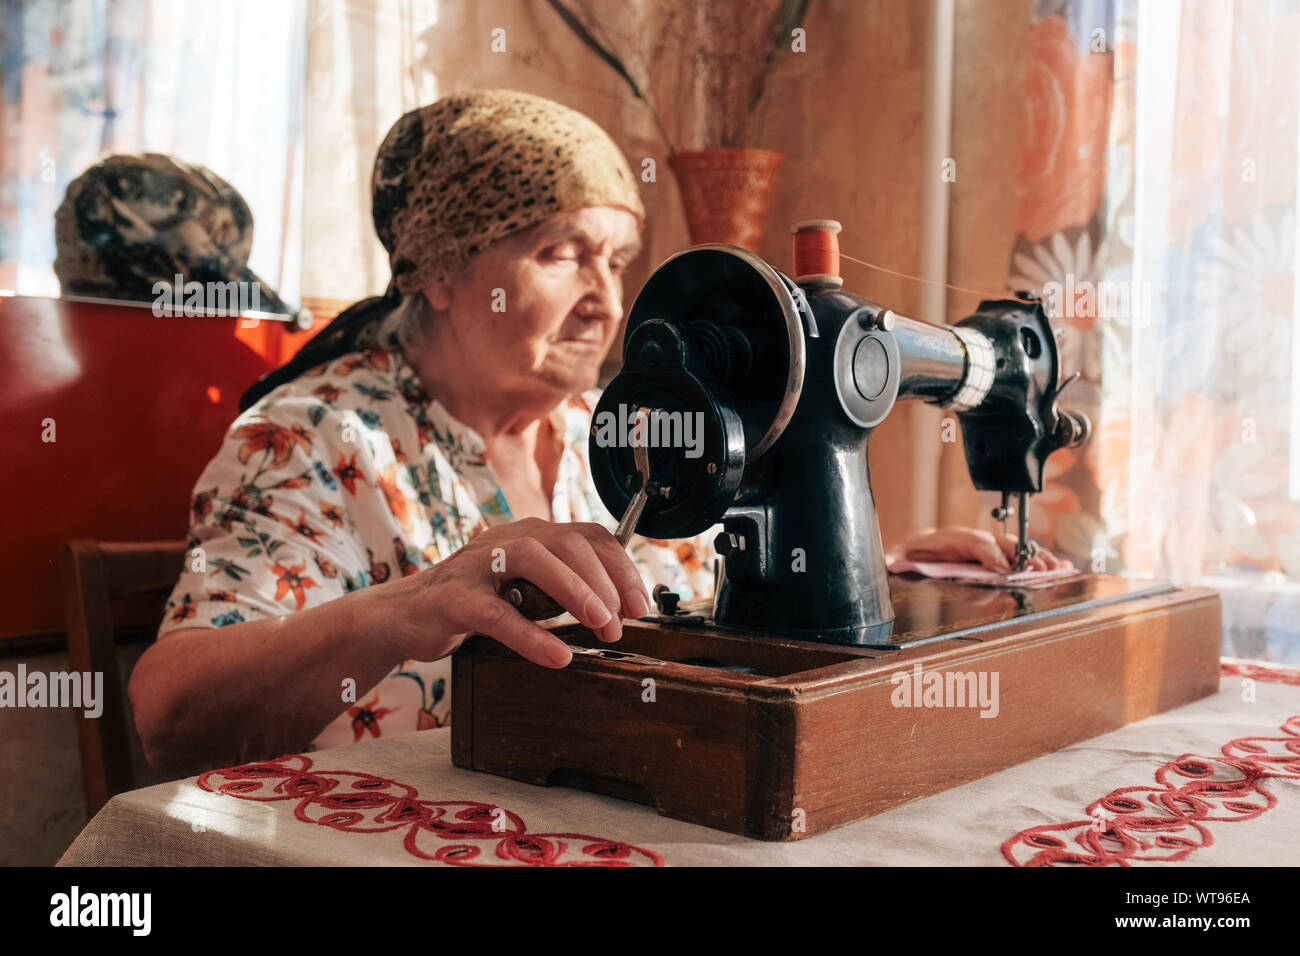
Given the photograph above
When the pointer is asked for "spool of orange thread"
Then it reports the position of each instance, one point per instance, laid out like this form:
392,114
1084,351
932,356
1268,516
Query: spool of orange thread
817,252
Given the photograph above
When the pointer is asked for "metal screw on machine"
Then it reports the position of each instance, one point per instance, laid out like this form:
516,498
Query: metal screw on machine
882,319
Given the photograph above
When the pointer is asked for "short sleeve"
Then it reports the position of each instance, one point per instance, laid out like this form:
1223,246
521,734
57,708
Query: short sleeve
274,522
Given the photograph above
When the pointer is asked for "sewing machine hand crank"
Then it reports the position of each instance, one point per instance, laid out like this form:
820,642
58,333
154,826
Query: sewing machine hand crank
534,603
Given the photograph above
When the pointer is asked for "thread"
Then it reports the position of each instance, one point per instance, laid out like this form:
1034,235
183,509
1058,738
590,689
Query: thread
816,249
956,288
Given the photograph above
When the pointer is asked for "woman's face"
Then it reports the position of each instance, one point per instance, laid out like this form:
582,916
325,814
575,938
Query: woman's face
537,311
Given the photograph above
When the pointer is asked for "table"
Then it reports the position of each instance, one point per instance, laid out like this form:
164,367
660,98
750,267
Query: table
1215,783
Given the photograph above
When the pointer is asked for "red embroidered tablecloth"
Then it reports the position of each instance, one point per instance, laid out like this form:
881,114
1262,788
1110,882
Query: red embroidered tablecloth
1216,783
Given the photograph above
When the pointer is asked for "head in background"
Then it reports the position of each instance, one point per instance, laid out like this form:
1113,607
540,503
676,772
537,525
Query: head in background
129,222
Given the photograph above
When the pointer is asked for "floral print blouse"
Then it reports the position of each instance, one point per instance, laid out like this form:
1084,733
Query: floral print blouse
351,474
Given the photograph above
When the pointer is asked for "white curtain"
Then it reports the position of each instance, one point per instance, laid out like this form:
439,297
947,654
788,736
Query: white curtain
1198,457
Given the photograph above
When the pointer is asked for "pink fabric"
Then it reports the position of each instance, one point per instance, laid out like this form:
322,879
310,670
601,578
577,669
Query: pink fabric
974,573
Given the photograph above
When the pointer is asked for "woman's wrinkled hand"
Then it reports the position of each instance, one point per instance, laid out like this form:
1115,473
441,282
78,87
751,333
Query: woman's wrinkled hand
581,565
959,543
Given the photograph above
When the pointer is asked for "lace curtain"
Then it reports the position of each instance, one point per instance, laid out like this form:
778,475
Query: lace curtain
1157,200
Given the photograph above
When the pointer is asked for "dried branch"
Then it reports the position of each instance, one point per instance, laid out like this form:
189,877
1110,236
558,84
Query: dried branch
789,16
703,65
606,52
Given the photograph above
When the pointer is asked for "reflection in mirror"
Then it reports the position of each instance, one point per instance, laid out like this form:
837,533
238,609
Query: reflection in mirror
150,137
157,229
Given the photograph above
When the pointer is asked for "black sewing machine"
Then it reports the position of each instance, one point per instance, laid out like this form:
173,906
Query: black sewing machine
770,710
786,383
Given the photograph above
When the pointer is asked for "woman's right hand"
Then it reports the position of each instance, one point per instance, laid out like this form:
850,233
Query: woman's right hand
581,565
960,543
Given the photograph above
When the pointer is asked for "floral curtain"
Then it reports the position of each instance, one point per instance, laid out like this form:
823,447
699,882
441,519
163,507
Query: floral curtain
1062,239
1157,202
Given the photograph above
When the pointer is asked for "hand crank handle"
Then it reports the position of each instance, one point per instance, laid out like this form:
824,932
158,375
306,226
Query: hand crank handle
530,600
534,603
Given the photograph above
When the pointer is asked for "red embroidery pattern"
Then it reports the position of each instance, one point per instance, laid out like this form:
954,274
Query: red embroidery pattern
1258,670
363,803
1123,828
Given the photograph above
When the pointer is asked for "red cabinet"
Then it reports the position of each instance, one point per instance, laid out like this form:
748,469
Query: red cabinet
137,403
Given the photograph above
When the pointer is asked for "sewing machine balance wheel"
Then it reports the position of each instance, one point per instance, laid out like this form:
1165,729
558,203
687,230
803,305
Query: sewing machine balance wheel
715,348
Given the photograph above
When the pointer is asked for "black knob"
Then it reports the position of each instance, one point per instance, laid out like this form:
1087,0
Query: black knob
1072,429
652,353
667,599
728,543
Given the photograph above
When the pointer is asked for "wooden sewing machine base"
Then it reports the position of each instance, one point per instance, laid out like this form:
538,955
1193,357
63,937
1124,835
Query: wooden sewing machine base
781,739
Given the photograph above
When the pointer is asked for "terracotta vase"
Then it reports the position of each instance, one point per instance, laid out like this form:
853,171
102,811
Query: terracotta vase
726,193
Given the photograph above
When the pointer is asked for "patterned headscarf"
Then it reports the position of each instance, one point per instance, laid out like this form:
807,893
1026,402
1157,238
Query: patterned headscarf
129,222
455,176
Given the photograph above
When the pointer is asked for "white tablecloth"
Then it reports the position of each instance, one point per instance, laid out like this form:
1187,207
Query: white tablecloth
1124,797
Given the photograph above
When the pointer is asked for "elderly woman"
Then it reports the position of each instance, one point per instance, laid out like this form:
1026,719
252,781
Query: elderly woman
357,522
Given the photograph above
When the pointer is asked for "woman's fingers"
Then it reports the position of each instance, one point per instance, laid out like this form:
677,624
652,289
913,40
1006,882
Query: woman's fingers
619,567
987,553
493,616
1043,559
958,543
579,554
971,544
529,558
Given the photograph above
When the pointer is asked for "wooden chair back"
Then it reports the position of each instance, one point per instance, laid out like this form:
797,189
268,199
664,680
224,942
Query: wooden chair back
95,574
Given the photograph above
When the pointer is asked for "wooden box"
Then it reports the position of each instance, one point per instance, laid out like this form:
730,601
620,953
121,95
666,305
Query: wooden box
781,739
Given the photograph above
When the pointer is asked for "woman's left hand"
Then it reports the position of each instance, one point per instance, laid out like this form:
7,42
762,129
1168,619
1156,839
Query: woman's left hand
959,543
